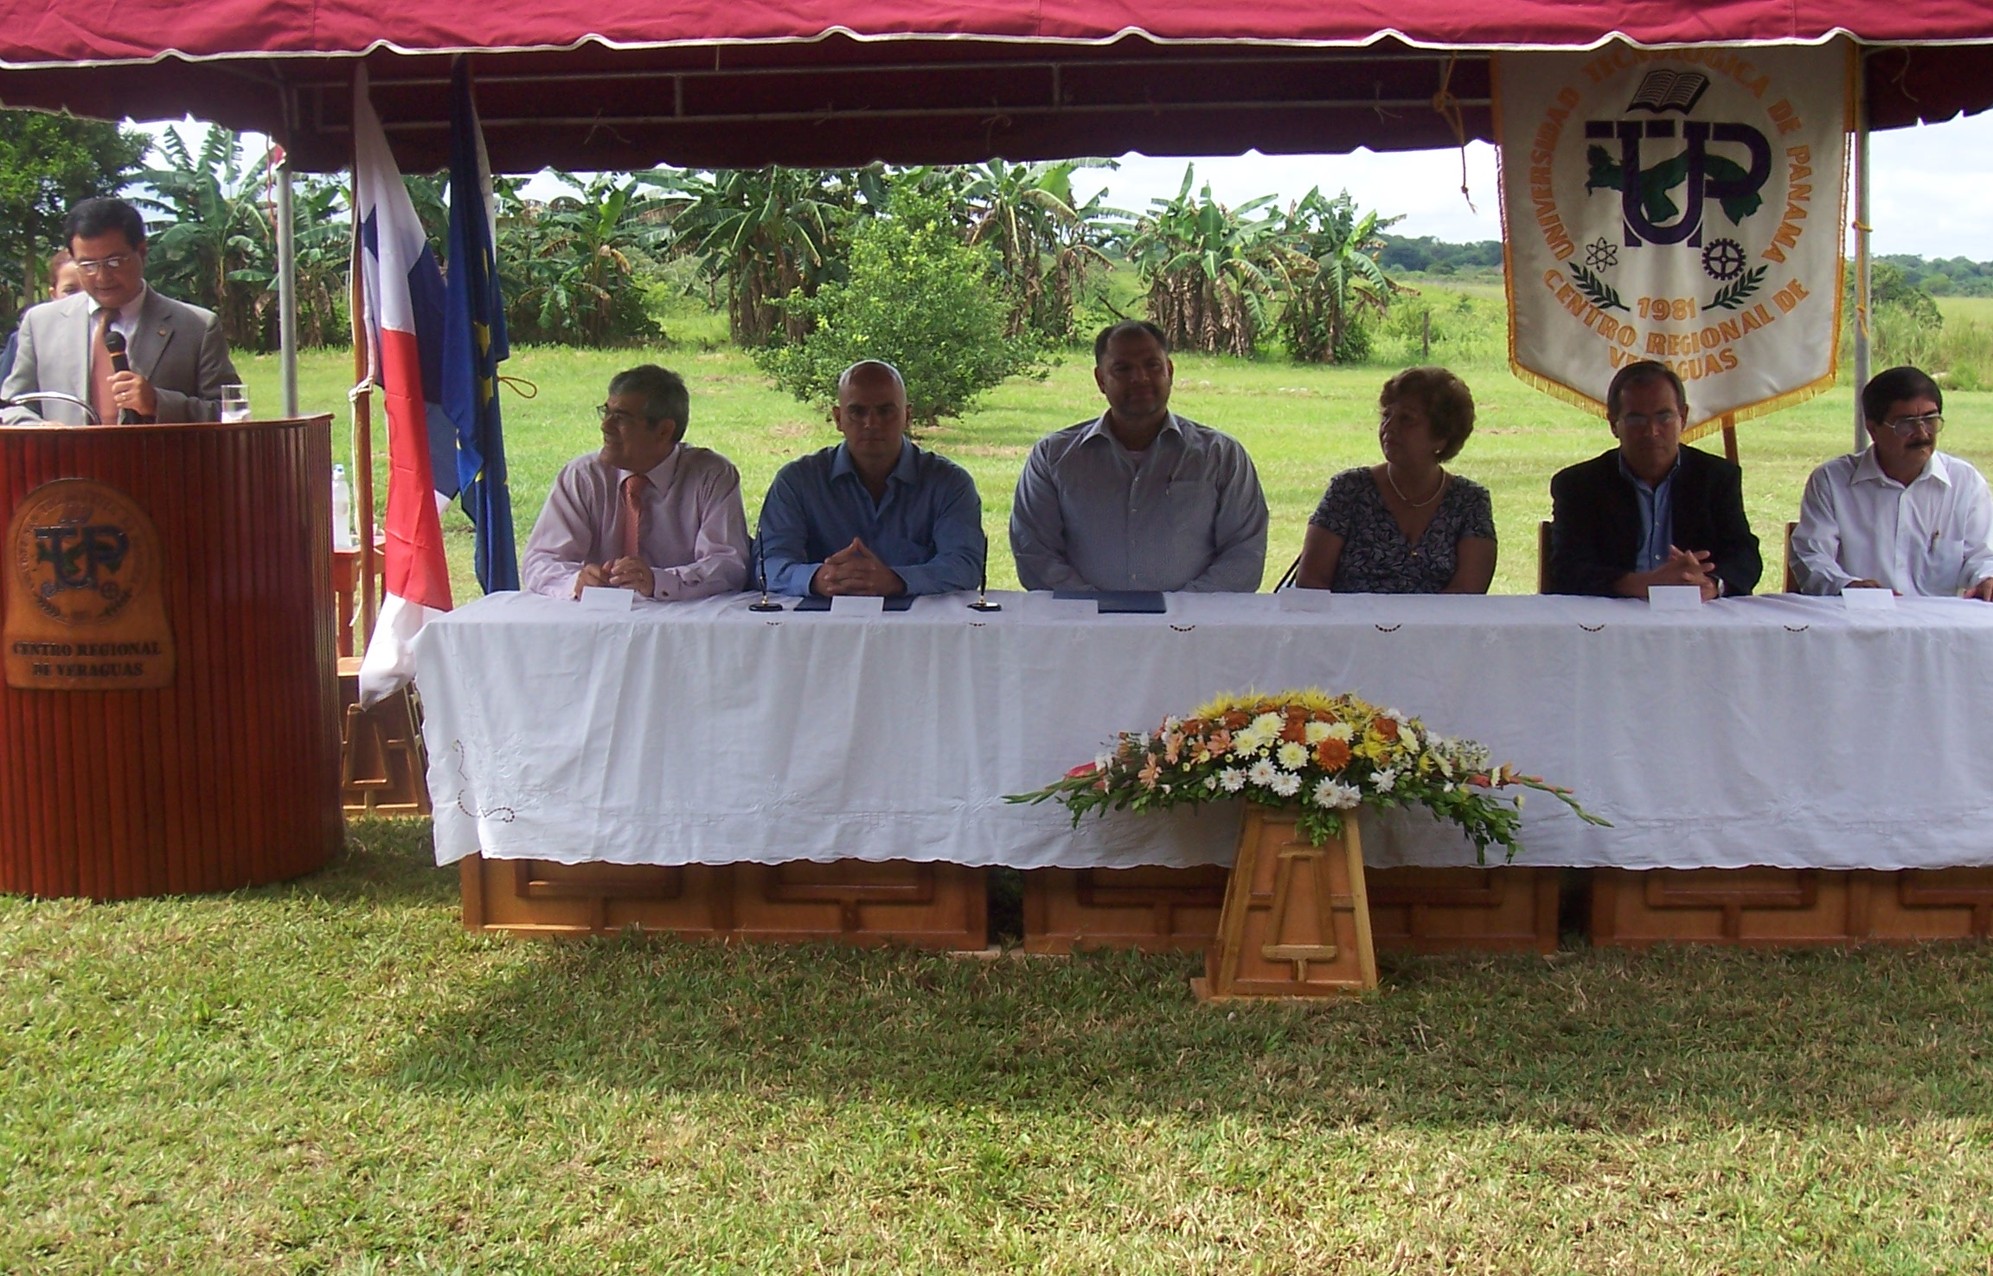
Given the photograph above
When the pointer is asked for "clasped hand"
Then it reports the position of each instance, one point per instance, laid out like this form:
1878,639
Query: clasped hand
856,570
1681,567
623,573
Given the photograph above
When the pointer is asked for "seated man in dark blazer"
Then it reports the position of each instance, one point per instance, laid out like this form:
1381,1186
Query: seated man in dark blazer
1650,512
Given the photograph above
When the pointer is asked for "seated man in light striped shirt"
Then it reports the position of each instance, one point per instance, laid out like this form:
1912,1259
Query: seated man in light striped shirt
1138,498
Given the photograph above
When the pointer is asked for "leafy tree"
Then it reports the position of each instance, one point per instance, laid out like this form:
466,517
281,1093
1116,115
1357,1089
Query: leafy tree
1333,278
1045,245
761,235
1209,270
322,233
573,271
214,244
47,163
916,297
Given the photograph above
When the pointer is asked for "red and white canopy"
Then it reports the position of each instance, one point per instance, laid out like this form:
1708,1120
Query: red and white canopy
593,84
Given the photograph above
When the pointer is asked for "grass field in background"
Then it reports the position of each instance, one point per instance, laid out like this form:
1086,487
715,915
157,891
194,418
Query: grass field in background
1301,424
332,1077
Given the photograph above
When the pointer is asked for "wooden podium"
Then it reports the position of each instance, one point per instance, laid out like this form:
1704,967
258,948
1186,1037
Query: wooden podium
169,719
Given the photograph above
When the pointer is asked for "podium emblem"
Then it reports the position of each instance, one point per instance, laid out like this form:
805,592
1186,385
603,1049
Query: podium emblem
83,606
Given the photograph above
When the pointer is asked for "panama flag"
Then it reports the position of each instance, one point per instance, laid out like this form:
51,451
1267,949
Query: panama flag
403,290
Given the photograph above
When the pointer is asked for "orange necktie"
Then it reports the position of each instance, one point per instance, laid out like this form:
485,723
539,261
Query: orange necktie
100,371
633,513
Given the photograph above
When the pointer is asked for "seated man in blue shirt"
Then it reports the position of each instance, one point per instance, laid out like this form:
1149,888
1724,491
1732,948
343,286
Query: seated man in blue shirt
874,514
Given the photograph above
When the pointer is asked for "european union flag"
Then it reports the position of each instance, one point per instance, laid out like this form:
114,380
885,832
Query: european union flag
474,344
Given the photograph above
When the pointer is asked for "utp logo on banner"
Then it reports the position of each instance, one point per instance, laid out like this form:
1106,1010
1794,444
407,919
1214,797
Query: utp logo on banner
1683,205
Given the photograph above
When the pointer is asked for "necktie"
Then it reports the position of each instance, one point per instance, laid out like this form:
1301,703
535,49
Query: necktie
100,371
634,488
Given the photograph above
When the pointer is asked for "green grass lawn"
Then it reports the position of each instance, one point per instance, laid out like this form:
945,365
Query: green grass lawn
331,1076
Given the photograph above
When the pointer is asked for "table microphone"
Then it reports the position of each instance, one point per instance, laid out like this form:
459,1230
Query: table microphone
761,573
982,602
114,342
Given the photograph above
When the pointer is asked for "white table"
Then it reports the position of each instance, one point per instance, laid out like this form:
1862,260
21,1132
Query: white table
1778,730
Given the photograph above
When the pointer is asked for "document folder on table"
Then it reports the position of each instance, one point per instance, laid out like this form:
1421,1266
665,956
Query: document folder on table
817,602
1138,602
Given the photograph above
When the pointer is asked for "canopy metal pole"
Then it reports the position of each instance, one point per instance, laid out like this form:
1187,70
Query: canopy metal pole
287,289
1862,299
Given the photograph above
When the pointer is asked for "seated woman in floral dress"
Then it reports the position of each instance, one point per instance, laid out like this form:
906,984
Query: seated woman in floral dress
1406,526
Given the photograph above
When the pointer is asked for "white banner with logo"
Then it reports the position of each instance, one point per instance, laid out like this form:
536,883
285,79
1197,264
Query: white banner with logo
1684,205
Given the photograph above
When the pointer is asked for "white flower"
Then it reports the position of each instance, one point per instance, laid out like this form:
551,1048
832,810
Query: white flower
1448,786
1315,732
1171,724
1103,761
1445,766
1410,735
1231,779
1211,783
1285,783
1385,780
1261,773
1293,756
1250,740
1341,731
1336,796
1267,724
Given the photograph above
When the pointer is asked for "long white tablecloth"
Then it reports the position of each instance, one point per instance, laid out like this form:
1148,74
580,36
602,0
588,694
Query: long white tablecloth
1777,730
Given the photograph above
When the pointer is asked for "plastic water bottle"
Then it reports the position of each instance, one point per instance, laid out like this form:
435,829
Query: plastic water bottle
342,510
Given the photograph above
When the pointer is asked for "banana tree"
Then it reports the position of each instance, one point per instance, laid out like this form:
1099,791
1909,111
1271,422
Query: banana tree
1045,244
1334,277
1210,271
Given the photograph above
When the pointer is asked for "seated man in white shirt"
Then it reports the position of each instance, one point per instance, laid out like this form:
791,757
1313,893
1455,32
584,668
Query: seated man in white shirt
645,513
1899,514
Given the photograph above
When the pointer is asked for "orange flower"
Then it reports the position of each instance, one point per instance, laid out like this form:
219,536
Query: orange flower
1384,728
1296,729
1237,718
1149,773
1332,755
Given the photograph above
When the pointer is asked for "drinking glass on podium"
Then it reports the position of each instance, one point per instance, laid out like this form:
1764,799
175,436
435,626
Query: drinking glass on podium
235,402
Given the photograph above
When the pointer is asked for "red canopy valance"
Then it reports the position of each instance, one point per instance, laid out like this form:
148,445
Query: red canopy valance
749,82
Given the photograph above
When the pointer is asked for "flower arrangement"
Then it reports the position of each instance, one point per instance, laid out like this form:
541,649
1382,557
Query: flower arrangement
1318,755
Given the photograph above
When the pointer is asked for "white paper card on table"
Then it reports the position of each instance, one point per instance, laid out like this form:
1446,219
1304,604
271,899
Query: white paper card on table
607,598
857,605
1868,599
1303,600
1044,602
1674,597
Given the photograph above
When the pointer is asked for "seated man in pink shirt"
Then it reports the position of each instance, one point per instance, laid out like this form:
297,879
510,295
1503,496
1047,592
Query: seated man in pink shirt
646,513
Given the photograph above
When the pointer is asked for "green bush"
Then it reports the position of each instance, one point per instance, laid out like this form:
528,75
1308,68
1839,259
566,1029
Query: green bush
916,297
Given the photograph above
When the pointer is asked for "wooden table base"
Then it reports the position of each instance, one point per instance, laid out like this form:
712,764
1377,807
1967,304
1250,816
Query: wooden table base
929,905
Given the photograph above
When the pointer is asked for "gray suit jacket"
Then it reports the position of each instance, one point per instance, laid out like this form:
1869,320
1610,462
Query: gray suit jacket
177,347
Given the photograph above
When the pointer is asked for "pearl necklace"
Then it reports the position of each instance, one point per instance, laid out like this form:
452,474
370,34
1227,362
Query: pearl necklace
1409,502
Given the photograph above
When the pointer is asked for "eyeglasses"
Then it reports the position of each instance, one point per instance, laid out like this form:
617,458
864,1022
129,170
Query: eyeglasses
619,418
1659,420
1903,425
117,261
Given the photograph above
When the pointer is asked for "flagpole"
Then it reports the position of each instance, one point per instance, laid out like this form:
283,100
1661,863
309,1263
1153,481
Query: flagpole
363,430
1862,298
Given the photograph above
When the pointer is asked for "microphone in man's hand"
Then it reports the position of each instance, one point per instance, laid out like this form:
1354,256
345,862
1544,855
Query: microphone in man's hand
114,341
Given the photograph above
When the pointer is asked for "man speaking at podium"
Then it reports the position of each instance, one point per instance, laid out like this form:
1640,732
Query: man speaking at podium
168,362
